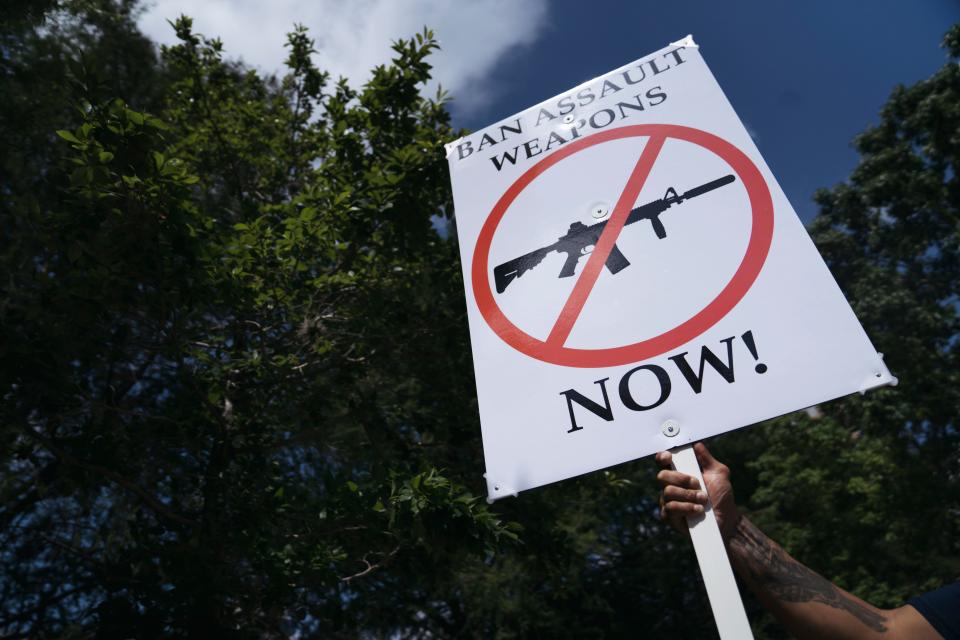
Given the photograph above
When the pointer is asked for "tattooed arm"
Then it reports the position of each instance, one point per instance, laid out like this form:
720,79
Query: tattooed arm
807,604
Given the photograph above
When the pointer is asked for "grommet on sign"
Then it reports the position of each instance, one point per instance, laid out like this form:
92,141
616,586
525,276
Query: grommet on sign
881,377
569,121
686,42
497,490
599,210
670,428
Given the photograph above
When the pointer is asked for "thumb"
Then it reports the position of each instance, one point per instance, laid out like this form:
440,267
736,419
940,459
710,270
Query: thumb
704,457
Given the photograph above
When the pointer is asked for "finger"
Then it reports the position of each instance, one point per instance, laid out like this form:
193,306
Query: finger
704,457
664,459
672,493
678,523
666,477
674,519
681,510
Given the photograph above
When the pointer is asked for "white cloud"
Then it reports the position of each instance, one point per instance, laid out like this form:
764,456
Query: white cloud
353,37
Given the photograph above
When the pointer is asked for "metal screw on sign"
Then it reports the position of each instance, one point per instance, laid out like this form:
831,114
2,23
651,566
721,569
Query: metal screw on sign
670,428
599,210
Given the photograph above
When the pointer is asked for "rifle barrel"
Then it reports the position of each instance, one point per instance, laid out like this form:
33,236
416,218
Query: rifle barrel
710,186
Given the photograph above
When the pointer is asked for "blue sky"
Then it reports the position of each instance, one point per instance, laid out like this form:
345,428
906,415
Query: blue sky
805,77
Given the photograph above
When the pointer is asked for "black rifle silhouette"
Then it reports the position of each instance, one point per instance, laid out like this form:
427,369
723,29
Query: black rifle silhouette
581,236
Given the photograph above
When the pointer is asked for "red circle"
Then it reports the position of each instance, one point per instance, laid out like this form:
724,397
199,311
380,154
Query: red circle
761,235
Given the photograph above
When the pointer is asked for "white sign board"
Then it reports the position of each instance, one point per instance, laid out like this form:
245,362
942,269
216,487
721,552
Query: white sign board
636,278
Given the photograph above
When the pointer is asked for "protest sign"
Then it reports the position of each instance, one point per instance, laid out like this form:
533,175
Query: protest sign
636,279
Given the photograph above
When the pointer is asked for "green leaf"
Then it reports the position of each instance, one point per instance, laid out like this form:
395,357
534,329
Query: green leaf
68,136
134,117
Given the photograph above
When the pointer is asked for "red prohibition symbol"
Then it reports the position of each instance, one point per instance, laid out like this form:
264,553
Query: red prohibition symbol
552,349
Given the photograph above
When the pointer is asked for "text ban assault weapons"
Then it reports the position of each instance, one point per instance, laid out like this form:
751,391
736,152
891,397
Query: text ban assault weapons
581,236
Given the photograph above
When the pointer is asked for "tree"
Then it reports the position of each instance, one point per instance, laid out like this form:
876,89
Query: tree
237,390
229,394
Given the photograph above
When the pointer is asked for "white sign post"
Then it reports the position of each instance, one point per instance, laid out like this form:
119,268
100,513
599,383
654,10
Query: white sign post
636,279
728,612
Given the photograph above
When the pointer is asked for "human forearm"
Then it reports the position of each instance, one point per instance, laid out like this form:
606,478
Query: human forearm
807,604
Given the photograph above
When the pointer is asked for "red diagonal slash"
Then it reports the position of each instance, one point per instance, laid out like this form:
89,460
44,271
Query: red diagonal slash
591,271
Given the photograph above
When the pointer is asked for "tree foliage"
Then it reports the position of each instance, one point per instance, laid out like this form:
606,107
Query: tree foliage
236,380
227,338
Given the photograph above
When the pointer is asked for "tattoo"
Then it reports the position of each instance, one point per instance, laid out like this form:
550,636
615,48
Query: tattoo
772,569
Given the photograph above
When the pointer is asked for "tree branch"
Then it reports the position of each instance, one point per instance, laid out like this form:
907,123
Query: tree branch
372,567
149,499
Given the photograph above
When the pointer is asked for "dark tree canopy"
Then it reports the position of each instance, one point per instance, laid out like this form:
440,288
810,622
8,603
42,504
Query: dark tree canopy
237,395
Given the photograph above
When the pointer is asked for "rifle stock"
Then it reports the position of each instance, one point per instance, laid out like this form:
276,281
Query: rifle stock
505,273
